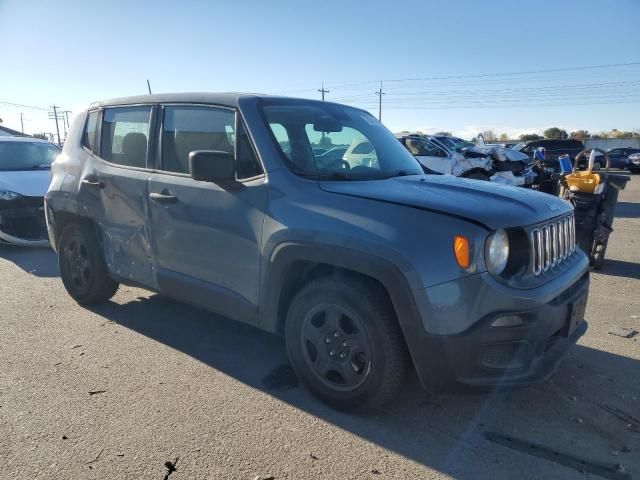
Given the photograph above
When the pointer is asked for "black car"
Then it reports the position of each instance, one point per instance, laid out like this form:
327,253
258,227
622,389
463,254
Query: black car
619,157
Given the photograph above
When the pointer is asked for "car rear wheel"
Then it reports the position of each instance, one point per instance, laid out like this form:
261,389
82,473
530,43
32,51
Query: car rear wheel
82,267
344,343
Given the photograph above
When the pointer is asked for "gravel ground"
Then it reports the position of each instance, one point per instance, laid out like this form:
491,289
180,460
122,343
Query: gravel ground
119,390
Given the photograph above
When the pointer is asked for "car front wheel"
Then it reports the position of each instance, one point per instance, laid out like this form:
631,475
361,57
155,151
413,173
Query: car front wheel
345,344
82,267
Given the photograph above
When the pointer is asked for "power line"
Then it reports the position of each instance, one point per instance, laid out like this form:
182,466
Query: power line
11,104
497,106
474,76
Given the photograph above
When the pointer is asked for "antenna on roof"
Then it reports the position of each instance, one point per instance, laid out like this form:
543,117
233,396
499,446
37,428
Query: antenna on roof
148,86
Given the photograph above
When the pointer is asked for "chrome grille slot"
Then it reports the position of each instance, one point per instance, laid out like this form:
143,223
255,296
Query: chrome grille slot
551,244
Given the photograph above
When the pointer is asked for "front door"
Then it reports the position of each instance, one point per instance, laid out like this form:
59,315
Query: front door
430,155
206,237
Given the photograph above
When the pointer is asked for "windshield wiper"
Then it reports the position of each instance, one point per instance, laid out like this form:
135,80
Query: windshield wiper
324,175
42,166
399,173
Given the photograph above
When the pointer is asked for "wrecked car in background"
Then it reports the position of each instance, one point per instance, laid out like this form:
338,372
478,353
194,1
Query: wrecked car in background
25,173
454,156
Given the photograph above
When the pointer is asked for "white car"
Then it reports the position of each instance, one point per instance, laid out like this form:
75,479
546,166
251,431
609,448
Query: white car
25,174
454,156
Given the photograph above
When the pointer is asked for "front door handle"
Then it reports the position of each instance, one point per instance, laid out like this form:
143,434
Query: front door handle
163,197
92,181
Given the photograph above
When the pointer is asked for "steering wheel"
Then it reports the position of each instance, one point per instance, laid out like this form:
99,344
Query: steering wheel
584,153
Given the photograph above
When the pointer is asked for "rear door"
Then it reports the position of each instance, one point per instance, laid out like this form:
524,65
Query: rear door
206,237
114,185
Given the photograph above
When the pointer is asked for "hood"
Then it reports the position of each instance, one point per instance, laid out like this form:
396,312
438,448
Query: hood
492,205
500,153
30,183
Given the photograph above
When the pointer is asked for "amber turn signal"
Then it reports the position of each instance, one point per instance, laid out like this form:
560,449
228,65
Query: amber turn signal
461,251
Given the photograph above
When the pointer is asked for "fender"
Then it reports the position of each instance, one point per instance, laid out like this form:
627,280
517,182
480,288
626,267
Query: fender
378,268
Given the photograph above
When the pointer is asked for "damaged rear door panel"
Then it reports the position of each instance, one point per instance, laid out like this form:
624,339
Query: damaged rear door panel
115,187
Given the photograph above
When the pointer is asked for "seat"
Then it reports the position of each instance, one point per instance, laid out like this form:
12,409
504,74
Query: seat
134,149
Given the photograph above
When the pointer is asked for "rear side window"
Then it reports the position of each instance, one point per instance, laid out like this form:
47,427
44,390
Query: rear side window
125,134
186,129
89,136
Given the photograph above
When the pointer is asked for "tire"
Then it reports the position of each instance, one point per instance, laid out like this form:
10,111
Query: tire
477,176
82,266
350,317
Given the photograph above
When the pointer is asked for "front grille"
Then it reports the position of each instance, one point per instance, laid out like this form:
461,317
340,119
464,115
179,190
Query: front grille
552,243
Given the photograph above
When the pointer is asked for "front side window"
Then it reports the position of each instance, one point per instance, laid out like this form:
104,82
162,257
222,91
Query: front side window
424,148
189,128
89,136
336,141
27,155
125,134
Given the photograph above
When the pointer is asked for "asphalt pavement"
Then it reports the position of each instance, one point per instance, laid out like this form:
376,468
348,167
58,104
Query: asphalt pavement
144,387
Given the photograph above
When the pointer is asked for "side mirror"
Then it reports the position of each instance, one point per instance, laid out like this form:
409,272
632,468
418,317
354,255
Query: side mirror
212,166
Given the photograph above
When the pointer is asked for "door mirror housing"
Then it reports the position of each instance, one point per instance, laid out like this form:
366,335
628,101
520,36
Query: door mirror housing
212,166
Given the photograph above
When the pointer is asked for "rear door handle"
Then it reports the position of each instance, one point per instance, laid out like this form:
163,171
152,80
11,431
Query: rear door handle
163,197
92,181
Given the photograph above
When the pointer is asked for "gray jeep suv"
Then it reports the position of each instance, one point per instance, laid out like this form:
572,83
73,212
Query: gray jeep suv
364,264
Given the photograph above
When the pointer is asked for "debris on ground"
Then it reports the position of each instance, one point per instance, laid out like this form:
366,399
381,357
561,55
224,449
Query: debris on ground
261,477
624,332
171,467
75,346
96,457
314,457
632,422
613,471
97,392
375,471
64,437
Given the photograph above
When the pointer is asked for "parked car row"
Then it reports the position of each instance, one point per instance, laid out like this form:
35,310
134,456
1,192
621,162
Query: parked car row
311,220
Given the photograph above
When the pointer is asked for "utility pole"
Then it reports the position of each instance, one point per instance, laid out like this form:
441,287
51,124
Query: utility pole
66,116
323,91
148,86
380,93
21,123
54,115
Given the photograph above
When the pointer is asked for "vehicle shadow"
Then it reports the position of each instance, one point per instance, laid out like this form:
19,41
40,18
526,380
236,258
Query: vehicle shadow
41,262
627,210
444,432
620,268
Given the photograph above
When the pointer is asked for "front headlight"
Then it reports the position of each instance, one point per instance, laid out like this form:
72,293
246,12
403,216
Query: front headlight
497,252
8,195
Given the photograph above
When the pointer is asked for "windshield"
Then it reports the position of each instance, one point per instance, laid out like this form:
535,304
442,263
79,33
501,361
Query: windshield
27,155
455,143
338,142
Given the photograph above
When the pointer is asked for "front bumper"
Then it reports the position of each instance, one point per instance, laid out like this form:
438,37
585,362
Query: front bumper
22,222
483,355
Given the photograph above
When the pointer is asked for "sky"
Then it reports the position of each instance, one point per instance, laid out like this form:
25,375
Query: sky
461,66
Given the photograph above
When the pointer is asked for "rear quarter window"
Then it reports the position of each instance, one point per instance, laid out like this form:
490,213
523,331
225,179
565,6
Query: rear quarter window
90,133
